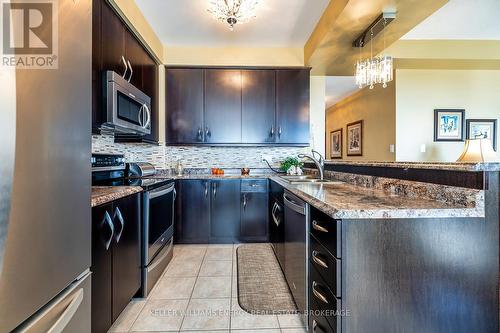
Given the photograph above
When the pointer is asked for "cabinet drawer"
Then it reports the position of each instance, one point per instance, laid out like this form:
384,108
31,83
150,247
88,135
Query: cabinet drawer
323,300
327,231
254,185
327,266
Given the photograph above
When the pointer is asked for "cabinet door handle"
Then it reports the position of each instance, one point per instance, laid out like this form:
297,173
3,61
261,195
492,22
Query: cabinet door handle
317,227
215,189
317,260
200,134
279,131
317,294
272,131
244,201
175,194
131,71
109,222
206,189
126,66
118,215
207,132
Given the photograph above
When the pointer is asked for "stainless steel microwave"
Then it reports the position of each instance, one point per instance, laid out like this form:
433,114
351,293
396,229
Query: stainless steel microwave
128,110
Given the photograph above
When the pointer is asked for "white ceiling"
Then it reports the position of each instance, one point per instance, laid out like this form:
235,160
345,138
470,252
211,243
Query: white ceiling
339,87
279,23
461,19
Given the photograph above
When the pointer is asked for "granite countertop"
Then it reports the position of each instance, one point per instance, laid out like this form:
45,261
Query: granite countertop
423,165
346,201
105,194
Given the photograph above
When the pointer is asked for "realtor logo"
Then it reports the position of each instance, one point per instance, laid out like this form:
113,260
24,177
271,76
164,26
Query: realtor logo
29,33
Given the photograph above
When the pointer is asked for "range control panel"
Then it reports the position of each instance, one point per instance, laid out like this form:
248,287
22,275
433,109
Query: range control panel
107,162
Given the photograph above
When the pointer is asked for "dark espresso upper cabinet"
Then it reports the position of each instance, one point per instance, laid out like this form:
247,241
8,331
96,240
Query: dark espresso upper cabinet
184,106
257,106
113,44
292,105
222,106
237,106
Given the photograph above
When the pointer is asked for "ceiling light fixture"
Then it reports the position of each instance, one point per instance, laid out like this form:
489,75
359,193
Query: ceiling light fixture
233,12
375,69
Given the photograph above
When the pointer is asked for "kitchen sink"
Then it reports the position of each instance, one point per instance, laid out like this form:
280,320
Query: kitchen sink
307,180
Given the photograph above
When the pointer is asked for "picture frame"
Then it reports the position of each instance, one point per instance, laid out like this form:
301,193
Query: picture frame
482,129
355,138
336,144
449,125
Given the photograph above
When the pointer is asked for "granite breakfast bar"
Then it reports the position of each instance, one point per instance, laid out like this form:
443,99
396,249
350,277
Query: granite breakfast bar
403,269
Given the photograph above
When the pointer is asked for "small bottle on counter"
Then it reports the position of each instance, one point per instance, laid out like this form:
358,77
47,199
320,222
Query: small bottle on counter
179,169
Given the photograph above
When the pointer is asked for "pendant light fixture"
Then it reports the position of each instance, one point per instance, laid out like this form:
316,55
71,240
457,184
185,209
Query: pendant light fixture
374,70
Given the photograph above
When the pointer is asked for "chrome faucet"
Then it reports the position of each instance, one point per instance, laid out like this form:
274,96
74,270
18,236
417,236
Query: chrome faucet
320,162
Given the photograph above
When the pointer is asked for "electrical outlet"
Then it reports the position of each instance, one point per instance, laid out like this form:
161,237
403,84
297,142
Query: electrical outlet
391,148
423,148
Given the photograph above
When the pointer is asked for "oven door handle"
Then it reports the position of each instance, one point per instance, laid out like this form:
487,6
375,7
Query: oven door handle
161,191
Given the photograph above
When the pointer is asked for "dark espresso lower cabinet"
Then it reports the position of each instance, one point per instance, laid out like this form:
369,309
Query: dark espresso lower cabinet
254,202
225,211
192,211
221,211
403,275
116,259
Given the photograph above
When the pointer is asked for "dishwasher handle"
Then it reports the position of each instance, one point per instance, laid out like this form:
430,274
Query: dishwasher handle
294,204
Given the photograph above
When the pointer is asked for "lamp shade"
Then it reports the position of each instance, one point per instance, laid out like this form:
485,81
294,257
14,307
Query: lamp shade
478,150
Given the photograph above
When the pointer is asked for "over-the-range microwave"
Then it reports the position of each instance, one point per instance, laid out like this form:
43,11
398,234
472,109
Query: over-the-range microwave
128,110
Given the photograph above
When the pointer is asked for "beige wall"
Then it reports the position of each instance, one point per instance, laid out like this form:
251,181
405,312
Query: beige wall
377,109
419,92
317,116
234,56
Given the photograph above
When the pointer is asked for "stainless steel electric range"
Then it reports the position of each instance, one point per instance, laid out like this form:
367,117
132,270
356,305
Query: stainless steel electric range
158,200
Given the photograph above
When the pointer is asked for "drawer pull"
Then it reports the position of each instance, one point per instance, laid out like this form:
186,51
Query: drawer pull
317,260
319,295
315,326
317,227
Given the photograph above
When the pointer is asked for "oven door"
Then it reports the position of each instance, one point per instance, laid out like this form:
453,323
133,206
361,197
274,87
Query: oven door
158,219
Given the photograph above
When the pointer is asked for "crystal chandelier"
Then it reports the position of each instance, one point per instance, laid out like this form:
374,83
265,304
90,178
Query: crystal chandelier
374,70
233,11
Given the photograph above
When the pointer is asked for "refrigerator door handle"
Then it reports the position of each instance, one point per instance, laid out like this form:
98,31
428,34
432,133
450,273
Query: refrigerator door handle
68,313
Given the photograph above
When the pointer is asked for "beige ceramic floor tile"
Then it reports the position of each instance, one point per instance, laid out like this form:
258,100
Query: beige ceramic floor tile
183,268
234,287
240,319
290,321
216,268
124,322
294,330
257,331
191,253
173,288
161,315
212,287
207,314
216,253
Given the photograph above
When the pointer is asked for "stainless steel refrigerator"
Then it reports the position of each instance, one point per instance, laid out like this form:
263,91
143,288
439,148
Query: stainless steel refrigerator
45,177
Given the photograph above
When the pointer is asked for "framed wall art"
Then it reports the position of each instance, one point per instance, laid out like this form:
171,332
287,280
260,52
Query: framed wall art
355,138
336,143
449,124
482,129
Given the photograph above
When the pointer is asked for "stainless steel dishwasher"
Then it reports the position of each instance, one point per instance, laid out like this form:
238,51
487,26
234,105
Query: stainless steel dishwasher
296,257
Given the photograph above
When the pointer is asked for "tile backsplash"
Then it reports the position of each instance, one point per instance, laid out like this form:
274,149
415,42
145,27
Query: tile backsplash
164,157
